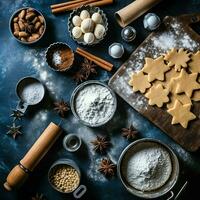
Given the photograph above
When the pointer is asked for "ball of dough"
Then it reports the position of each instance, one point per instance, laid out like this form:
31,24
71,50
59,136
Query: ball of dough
84,14
99,31
97,18
89,38
87,25
76,20
76,32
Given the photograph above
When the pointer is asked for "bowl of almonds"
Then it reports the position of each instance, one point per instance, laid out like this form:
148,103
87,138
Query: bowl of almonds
27,25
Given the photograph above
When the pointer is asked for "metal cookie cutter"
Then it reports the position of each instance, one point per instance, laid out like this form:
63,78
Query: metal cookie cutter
30,92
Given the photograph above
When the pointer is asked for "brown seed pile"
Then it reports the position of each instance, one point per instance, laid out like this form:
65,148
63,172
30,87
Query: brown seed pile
65,178
28,25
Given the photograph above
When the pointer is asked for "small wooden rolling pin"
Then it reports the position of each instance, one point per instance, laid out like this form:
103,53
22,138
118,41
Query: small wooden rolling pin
20,172
134,10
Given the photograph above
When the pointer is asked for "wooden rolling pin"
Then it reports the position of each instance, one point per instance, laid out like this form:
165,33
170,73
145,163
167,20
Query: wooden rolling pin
20,173
134,10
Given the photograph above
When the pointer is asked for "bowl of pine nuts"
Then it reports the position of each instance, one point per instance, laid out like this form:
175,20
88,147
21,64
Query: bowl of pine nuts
27,25
64,176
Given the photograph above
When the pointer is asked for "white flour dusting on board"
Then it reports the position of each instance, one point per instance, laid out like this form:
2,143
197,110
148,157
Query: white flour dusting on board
155,46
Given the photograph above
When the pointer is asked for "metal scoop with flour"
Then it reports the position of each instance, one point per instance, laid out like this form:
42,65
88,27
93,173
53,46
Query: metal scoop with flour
30,91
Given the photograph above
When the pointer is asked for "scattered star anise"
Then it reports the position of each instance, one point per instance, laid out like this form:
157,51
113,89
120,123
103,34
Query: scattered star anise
38,197
107,167
88,67
61,107
17,115
129,133
14,130
100,144
79,76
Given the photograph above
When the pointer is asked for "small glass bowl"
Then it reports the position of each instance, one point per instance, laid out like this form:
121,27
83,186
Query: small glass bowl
72,142
91,10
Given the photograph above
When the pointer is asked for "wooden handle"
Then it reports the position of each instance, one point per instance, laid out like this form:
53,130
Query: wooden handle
19,173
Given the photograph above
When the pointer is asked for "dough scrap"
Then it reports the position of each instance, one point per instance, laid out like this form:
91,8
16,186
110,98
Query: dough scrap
155,68
181,114
157,95
194,64
177,58
185,83
139,82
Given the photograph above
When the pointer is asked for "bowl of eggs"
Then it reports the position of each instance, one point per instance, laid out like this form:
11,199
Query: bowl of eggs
87,25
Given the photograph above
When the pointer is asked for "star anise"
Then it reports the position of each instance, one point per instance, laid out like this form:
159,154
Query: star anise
39,197
100,144
61,107
17,115
79,76
88,67
14,130
129,133
107,167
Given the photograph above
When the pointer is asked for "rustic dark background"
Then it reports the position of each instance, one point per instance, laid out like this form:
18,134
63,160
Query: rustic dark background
17,61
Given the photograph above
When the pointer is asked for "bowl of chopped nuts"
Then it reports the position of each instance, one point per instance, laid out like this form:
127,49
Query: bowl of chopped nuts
27,25
64,176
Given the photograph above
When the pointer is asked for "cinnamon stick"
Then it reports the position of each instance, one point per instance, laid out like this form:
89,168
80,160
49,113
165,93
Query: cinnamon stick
71,6
99,61
102,3
62,7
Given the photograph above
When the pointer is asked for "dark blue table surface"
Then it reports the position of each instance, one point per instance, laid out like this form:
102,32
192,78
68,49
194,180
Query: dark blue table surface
17,61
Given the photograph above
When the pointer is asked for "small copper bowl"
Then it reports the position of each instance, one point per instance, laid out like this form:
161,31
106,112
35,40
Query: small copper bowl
59,56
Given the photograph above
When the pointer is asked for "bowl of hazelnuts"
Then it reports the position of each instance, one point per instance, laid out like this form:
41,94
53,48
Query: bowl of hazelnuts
27,25
87,25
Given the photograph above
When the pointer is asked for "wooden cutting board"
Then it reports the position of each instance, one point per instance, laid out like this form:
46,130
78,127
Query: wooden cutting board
175,32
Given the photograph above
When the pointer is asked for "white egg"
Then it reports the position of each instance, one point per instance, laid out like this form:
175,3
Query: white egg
97,18
84,14
89,38
87,25
76,20
99,31
76,32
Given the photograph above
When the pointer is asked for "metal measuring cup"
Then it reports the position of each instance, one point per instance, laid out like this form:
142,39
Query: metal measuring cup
30,92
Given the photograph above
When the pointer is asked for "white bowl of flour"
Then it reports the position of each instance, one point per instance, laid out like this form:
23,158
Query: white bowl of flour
148,168
93,103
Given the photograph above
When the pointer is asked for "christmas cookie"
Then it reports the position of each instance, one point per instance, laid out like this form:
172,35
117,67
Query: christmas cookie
157,95
139,82
194,65
196,95
181,114
177,58
185,83
155,68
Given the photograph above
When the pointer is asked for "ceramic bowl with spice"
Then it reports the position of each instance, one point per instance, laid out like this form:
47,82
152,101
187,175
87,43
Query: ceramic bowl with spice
59,56
93,103
148,168
27,25
87,25
64,176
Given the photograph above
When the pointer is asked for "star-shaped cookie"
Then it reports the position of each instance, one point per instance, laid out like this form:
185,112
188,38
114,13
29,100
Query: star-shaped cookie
177,58
186,83
194,64
157,95
155,68
139,82
181,114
